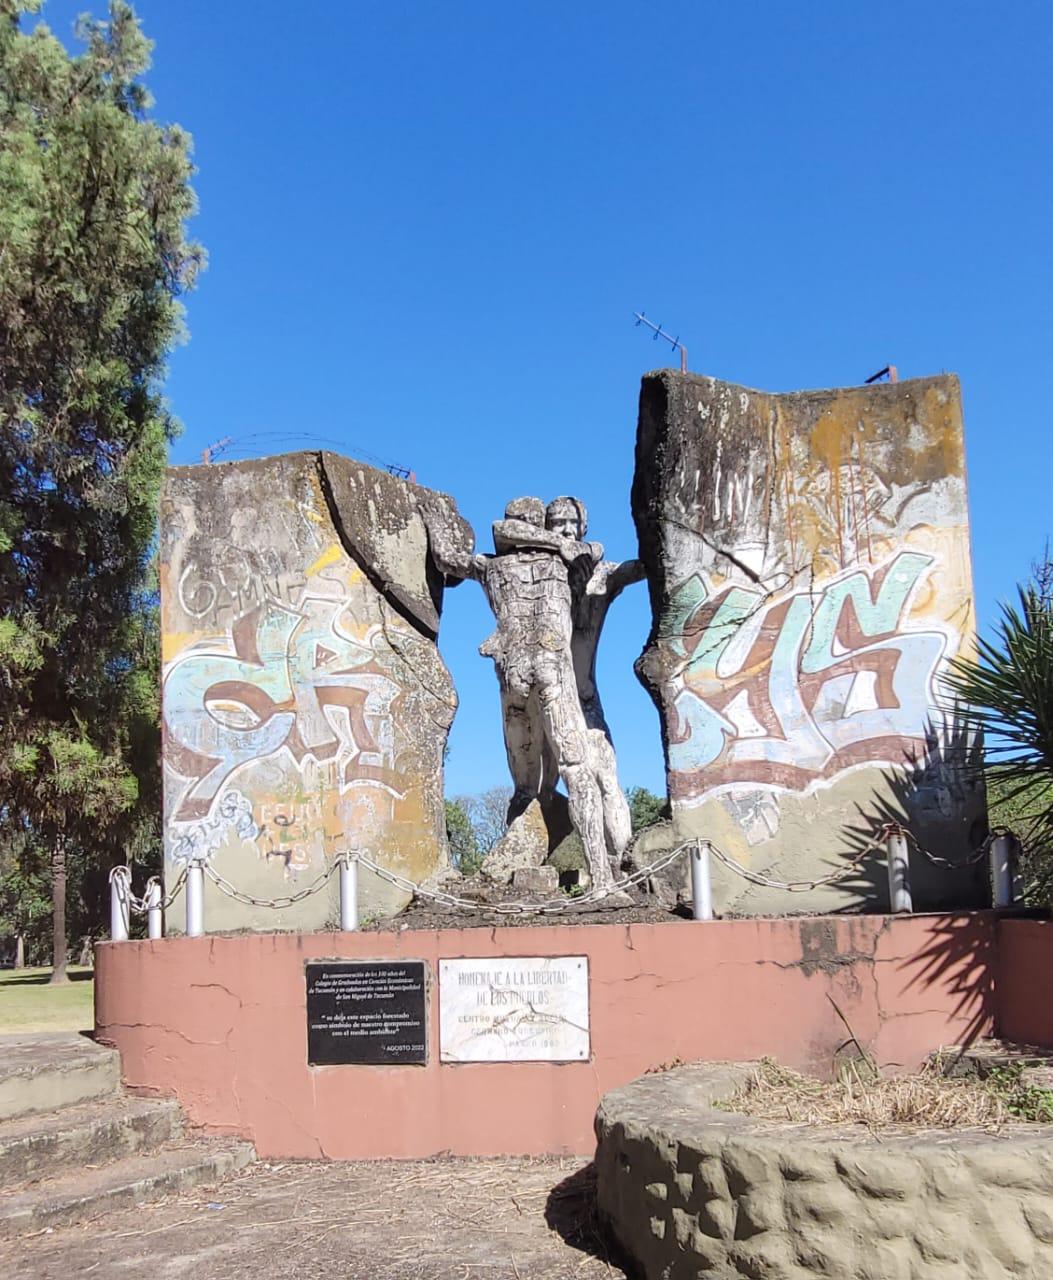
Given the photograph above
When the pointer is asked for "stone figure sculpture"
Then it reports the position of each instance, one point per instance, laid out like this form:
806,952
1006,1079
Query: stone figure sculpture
538,585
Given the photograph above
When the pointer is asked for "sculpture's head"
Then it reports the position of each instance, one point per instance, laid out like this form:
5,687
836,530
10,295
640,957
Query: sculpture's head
530,510
567,518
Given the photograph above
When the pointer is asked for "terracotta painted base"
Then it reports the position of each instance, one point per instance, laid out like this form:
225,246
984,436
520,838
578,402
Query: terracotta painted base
220,1022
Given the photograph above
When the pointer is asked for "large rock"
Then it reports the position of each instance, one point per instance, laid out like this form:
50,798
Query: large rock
808,562
525,844
305,704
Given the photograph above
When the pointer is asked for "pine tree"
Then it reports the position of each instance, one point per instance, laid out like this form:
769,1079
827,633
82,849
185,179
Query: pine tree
94,198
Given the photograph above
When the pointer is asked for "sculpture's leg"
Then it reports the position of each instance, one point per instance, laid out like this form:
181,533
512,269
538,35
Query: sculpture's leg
549,769
524,737
567,734
617,822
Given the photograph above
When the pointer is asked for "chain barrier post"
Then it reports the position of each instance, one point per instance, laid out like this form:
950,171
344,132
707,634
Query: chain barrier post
195,899
701,882
1002,859
154,917
898,872
120,884
349,891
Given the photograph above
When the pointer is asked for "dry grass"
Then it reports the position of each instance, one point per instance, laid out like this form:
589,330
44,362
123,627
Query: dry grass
862,1097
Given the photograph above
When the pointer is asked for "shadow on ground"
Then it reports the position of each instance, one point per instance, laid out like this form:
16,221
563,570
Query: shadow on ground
42,979
571,1211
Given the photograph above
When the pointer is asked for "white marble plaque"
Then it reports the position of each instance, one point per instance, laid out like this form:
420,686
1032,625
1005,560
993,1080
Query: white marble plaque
514,1009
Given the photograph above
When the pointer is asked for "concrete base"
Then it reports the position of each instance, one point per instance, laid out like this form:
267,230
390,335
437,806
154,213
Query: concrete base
221,1023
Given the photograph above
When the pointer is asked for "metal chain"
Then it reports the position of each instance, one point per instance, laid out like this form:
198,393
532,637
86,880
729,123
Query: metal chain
803,886
141,906
948,864
553,906
288,900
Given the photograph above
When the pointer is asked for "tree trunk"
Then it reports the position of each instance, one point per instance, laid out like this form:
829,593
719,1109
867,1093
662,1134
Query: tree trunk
58,909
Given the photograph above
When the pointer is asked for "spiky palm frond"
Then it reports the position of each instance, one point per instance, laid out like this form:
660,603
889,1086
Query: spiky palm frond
1007,692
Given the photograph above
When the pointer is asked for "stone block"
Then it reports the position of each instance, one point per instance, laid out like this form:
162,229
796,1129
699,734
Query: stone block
523,846
536,879
808,561
305,704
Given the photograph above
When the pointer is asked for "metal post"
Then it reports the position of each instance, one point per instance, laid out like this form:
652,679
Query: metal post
195,900
120,882
898,873
1001,855
349,892
701,882
154,923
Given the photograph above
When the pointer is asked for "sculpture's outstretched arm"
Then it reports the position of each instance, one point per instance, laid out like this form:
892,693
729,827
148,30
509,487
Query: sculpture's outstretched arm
453,553
623,575
521,535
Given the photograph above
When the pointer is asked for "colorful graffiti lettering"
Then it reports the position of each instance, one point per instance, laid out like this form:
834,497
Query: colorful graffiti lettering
788,691
296,681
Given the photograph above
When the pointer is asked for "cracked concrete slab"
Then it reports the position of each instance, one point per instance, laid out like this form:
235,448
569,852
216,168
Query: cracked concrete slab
304,697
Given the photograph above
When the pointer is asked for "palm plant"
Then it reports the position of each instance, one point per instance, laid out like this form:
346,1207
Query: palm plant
1007,692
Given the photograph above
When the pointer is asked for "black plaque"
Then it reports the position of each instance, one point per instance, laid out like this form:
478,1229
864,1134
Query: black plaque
366,1011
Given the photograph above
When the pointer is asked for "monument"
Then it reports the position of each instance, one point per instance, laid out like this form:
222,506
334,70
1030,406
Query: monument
807,559
549,591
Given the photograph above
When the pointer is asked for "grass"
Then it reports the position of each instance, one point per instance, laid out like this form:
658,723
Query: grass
27,1003
860,1096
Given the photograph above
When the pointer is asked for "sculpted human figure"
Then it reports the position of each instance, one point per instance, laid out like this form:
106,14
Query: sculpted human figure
531,584
566,517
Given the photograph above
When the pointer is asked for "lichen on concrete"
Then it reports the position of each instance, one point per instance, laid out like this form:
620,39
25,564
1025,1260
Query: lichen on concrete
808,561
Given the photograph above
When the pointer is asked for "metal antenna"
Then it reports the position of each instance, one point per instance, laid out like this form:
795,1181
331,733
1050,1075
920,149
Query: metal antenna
213,451
659,332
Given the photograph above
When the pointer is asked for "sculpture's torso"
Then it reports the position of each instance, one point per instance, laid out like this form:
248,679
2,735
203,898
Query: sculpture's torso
529,592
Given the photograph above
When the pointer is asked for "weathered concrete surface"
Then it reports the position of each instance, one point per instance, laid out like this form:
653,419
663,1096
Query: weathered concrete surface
1025,1009
44,1070
433,1220
694,1192
131,1180
305,703
220,1022
808,563
87,1134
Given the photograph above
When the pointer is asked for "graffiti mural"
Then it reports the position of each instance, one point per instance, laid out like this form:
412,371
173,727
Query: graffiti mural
792,691
304,702
808,556
288,680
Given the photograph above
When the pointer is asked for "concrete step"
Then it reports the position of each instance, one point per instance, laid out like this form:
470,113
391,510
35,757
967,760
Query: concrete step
136,1179
985,1056
44,1071
46,1144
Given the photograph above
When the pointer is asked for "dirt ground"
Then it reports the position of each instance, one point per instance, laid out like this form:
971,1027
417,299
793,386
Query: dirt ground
421,1220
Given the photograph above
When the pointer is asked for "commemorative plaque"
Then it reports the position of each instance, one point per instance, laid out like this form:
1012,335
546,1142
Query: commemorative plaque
369,1012
514,1009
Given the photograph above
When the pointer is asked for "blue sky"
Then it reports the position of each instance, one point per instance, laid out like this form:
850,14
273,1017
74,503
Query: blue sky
429,225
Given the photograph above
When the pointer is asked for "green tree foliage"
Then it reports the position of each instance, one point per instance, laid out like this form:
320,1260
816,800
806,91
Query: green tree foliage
1007,692
94,198
464,847
645,808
